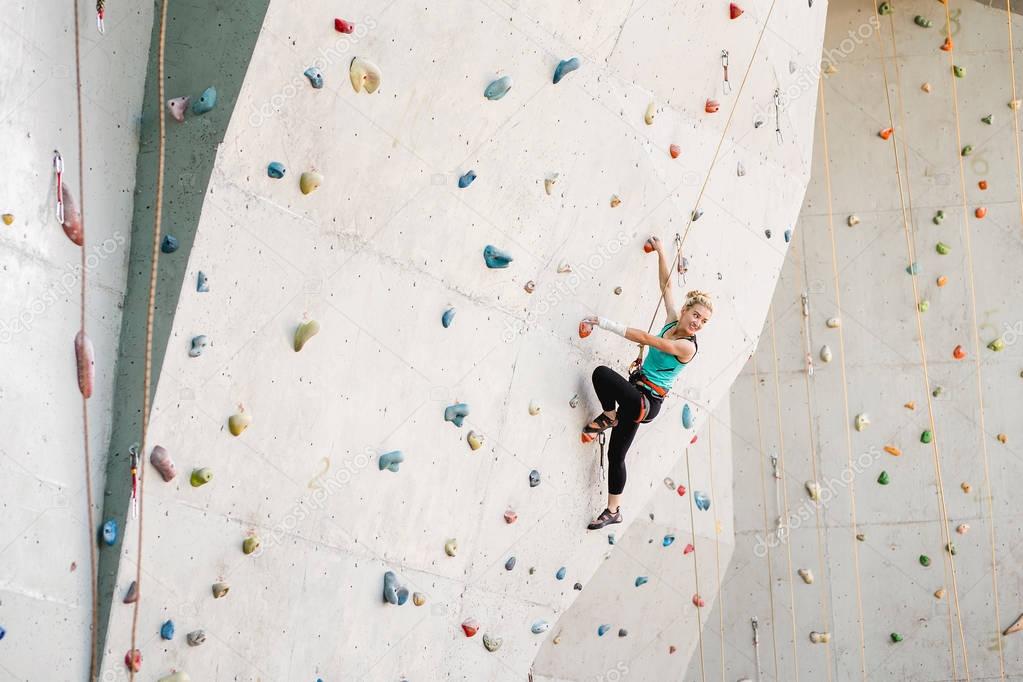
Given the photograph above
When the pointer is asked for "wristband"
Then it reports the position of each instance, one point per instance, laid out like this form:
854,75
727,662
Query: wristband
611,326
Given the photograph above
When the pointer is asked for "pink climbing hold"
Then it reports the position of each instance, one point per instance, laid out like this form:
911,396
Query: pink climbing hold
178,106
470,627
734,11
693,440
688,549
712,106
72,217
86,363
698,601
510,516
342,26
133,659
161,459
681,490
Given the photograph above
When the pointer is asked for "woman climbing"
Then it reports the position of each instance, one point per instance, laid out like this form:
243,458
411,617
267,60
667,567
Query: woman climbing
630,402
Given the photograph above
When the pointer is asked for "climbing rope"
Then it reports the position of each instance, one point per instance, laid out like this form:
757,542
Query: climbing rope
981,426
147,379
922,345
784,488
717,547
696,568
59,166
767,532
706,180
1015,128
804,332
845,382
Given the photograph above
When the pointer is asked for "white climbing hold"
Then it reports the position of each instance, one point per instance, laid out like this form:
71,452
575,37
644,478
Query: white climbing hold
564,268
740,169
573,402
806,574
534,408
852,221
365,75
833,323
178,676
451,547
540,626
825,354
548,183
862,421
813,488
649,115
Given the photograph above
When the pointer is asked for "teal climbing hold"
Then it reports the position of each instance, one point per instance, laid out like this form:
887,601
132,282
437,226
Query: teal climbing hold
788,236
702,500
394,593
510,564
456,413
108,533
610,538
602,629
275,169
884,478
315,77
466,179
498,88
167,630
534,478
391,460
687,417
925,560
913,268
202,283
169,243
560,575
447,317
565,67
641,580
495,258
199,344
667,540
206,102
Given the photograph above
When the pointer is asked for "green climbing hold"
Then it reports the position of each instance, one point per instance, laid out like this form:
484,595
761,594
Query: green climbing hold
925,560
884,8
967,150
937,391
958,71
200,476
926,436
996,345
943,248
986,119
922,21
923,305
884,478
938,218
896,637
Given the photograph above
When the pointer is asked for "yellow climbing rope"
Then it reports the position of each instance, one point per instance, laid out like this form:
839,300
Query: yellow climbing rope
94,586
147,379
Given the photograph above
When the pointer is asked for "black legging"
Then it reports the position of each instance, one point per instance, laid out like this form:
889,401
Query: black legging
612,388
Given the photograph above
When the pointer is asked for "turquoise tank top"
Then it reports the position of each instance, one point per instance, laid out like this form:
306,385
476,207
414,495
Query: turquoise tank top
659,367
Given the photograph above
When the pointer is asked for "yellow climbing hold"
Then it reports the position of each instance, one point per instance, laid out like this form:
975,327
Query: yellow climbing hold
548,183
649,115
418,598
1002,438
238,423
910,405
806,574
862,421
309,181
304,332
939,593
8,218
475,440
615,201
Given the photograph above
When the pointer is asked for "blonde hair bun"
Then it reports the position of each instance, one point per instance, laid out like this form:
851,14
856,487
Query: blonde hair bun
697,297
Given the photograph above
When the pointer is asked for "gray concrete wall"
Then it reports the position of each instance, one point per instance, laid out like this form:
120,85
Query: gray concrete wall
899,521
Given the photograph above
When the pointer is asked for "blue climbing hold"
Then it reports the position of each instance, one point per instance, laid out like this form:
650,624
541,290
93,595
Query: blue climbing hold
641,580
391,460
456,413
687,417
702,500
275,170
169,244
167,630
206,102
913,268
788,236
202,284
2,632
534,478
447,317
393,592
565,67
315,77
466,180
510,564
610,538
540,627
108,533
668,539
499,88
495,258
560,575
603,629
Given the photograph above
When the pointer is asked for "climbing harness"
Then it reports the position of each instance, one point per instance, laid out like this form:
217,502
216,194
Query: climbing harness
777,116
101,10
58,170
133,458
726,87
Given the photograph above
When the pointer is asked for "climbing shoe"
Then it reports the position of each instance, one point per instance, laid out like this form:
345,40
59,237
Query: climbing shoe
600,424
606,518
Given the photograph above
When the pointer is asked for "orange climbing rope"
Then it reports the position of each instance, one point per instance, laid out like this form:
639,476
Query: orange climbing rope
845,380
911,251
784,488
717,546
696,566
94,586
149,322
767,531
1015,128
982,428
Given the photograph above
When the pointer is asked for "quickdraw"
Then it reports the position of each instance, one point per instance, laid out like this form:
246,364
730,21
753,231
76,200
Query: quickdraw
726,87
777,115
101,12
58,169
601,438
133,458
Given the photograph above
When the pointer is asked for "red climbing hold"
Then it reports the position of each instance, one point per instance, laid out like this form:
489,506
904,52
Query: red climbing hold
734,10
959,353
885,134
982,184
688,549
133,659
342,26
980,212
947,47
674,150
681,490
648,247
470,627
712,106
693,440
585,329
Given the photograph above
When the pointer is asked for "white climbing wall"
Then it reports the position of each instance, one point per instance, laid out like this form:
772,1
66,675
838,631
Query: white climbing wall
44,555
378,252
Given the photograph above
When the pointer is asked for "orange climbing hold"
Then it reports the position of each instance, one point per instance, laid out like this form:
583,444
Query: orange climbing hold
585,329
734,11
910,405
712,106
942,281
980,212
982,184
885,133
674,150
947,47
959,353
892,450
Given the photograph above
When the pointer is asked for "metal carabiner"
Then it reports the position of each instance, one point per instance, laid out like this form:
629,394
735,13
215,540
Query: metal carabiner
777,116
726,87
